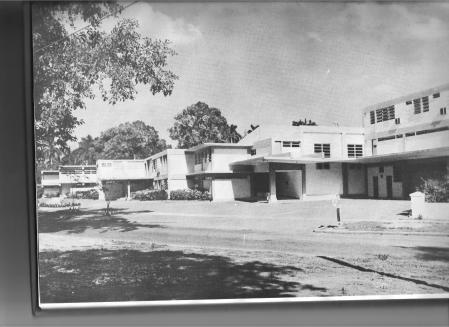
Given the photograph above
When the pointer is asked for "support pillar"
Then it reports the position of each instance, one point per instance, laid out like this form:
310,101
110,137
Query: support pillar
272,179
129,190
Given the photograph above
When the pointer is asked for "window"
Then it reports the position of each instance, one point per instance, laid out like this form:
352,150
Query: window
290,144
386,138
399,136
384,114
323,148
443,111
372,117
355,150
417,106
436,95
322,165
253,152
425,104
381,169
209,154
295,144
397,121
286,144
410,134
409,102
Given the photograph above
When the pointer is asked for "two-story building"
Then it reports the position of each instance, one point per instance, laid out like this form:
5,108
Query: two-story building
121,177
167,170
68,179
406,140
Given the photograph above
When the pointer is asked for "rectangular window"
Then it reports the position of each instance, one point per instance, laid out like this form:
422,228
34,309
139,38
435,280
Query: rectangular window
295,144
425,104
372,117
381,169
286,144
253,152
443,111
399,136
409,102
355,150
417,106
324,148
409,134
436,95
386,138
384,114
397,121
322,165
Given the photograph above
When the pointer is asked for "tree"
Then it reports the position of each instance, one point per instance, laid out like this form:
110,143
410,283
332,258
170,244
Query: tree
303,123
199,124
135,140
253,128
69,68
88,152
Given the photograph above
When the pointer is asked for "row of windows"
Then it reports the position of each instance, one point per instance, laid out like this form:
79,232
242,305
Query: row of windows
322,165
382,114
355,150
289,144
424,131
203,156
324,148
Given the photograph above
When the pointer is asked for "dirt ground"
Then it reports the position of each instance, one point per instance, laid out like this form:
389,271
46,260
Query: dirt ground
160,250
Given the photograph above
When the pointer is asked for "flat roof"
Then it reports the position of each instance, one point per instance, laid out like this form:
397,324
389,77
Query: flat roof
218,145
408,155
164,152
407,97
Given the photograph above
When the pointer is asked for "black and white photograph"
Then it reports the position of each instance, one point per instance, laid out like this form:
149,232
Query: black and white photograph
234,152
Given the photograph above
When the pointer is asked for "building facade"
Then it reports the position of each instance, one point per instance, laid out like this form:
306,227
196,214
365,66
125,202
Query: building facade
401,142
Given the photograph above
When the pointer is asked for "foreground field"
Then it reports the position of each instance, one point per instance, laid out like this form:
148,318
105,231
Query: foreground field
200,250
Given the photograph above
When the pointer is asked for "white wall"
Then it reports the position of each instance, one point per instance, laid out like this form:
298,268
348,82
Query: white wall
121,169
222,157
426,141
288,183
324,181
230,189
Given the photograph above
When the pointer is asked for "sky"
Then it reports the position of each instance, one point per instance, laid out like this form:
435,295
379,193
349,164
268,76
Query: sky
271,63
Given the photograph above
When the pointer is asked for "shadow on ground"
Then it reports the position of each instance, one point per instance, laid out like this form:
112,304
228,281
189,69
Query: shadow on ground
130,275
428,253
78,222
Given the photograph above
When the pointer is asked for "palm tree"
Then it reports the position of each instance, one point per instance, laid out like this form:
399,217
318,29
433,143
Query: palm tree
87,152
233,136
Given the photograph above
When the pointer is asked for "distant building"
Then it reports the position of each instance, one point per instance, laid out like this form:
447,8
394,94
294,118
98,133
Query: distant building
68,179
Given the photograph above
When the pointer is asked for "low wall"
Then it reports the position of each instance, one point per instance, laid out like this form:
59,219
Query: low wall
436,211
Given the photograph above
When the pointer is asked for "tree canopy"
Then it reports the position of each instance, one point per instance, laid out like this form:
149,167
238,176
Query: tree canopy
72,67
135,140
199,124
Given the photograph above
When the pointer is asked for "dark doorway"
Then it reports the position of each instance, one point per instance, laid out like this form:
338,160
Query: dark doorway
389,187
375,187
260,185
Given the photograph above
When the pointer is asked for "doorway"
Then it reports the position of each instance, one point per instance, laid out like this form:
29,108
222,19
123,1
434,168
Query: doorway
389,187
376,187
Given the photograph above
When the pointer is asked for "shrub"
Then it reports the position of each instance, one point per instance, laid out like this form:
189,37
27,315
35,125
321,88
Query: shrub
39,191
89,194
435,189
60,203
189,194
51,194
150,195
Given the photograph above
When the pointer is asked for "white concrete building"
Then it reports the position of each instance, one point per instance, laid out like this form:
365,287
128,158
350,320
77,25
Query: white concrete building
69,179
121,177
401,141
167,170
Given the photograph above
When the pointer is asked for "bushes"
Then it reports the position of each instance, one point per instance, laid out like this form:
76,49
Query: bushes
189,194
89,194
150,195
58,203
435,189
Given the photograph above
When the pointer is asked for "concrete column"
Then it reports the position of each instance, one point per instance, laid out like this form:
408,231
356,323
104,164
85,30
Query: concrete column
272,179
129,190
